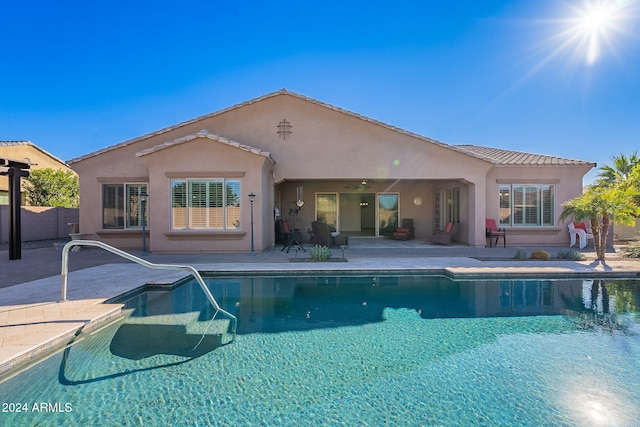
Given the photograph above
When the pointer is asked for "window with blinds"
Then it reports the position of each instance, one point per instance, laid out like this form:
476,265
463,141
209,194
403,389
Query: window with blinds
527,205
179,205
122,206
212,204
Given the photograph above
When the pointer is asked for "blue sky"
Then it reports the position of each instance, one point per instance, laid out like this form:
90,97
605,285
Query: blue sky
77,76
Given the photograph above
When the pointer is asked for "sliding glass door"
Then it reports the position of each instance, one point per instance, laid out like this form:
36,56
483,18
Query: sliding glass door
387,213
352,213
327,209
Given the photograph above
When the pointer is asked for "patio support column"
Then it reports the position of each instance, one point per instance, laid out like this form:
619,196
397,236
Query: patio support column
477,213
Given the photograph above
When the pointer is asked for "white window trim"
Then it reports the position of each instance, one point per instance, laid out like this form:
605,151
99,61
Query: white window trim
124,186
188,228
539,185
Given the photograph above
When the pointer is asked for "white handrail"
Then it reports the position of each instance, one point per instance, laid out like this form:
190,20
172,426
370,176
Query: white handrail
123,254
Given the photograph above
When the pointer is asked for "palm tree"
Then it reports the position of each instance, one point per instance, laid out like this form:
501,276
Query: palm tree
620,171
601,204
624,171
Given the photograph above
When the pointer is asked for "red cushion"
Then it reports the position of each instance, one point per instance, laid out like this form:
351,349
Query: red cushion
448,227
580,225
402,230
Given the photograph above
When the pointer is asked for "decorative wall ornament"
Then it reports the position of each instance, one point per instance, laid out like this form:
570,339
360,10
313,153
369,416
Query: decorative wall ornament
284,129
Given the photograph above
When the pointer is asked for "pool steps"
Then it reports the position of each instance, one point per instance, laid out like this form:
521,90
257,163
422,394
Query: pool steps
232,324
190,321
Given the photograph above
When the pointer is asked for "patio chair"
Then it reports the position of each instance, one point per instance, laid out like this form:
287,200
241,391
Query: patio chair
442,237
406,232
321,235
492,231
580,230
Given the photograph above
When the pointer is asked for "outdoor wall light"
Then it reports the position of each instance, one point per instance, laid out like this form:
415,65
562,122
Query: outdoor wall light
144,198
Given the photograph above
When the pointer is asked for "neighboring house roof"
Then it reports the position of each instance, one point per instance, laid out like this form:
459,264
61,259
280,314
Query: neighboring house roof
517,158
205,134
31,144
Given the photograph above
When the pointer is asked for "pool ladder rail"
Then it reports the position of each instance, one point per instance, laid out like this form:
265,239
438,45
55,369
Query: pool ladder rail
191,270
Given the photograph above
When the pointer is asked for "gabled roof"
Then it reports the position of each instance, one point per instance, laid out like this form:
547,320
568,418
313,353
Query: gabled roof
31,144
253,101
494,156
205,134
500,156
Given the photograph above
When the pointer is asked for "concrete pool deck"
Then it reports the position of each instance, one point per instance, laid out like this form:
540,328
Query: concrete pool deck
33,320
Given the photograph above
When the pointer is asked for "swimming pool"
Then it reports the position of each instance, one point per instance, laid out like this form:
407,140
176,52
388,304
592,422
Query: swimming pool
349,350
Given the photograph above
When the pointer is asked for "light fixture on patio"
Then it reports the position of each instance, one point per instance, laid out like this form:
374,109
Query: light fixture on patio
284,129
252,197
300,197
364,182
293,212
144,198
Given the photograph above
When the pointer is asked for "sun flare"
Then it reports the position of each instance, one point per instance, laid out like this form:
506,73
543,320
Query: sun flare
594,24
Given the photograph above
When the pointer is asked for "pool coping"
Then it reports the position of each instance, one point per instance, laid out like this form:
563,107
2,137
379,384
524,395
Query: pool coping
453,273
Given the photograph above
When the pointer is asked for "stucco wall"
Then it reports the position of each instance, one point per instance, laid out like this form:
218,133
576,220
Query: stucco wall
204,158
39,223
568,185
112,166
328,143
626,232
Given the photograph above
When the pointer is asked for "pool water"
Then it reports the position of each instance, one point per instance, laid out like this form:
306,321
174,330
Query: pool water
351,351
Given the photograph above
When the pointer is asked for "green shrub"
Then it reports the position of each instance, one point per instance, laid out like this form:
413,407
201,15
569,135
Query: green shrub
632,250
540,255
320,253
520,254
571,255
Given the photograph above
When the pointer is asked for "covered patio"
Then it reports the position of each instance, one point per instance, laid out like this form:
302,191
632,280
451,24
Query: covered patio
375,208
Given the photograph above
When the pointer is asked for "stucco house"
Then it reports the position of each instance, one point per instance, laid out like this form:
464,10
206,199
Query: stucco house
29,153
359,175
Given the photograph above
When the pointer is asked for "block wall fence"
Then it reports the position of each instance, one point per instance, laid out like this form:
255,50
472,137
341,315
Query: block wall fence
40,223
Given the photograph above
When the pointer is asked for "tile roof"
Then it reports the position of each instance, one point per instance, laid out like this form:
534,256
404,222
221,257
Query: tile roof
14,143
495,156
31,144
204,134
517,158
